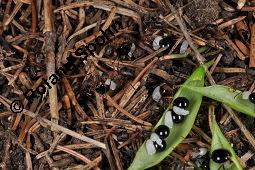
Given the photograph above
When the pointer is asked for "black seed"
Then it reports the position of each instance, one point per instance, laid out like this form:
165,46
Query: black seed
80,51
109,50
181,102
158,147
165,90
166,42
220,155
124,49
205,162
205,165
102,88
162,131
252,98
177,118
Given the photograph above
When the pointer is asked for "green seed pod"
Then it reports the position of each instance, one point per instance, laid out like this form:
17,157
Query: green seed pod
179,131
220,142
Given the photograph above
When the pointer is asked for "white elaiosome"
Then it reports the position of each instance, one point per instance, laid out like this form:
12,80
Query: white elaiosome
111,83
155,138
203,151
156,96
130,53
198,163
168,121
194,155
246,95
198,154
156,41
150,147
184,46
180,111
107,82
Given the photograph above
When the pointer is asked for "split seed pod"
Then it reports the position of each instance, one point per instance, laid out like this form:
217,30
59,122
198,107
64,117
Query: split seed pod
179,131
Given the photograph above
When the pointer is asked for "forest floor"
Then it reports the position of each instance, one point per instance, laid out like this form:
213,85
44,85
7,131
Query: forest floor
37,38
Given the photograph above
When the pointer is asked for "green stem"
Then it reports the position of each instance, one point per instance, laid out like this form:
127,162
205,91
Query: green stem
185,54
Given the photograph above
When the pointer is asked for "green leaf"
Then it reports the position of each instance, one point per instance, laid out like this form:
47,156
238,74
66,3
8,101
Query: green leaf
220,142
179,131
226,95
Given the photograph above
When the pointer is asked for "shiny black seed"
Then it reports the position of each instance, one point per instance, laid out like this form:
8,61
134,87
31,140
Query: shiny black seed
162,131
220,155
158,147
166,42
181,102
165,90
177,118
205,165
109,50
252,98
205,162
102,88
124,49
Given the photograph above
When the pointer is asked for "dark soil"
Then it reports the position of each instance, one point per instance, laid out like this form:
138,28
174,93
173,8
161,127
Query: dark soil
202,12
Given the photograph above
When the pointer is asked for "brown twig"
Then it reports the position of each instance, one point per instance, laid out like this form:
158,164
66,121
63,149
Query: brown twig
49,48
252,47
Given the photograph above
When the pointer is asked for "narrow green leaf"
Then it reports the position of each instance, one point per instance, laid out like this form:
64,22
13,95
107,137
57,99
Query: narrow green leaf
179,131
220,142
226,95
